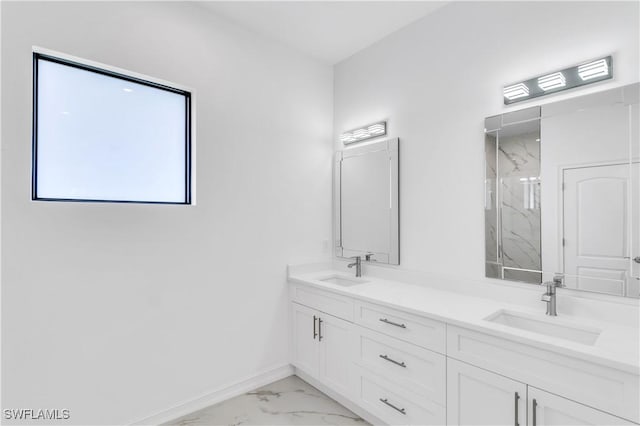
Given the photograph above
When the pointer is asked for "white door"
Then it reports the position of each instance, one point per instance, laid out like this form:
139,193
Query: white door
336,345
546,409
635,197
634,281
597,223
479,397
305,339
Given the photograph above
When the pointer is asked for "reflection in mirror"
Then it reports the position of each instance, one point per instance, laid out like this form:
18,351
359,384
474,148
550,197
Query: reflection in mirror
512,197
591,209
366,205
576,211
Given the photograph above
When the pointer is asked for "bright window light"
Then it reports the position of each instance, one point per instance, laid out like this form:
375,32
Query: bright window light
104,136
552,81
594,69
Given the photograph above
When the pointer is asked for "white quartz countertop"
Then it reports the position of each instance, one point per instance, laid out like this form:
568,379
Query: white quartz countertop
617,345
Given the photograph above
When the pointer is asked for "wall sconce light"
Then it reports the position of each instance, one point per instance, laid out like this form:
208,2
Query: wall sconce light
568,78
364,133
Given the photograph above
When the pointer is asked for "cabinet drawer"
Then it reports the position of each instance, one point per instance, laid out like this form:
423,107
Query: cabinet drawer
604,388
420,331
420,370
324,301
395,405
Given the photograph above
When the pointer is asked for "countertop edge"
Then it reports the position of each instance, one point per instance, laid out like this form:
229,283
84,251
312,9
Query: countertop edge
560,350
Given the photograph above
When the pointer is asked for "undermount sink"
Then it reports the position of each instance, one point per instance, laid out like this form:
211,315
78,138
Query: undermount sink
342,280
547,326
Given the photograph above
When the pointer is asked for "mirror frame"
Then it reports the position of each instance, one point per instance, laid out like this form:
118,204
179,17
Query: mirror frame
392,147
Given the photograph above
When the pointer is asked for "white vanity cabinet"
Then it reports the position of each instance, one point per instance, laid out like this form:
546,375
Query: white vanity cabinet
419,370
322,347
398,379
305,352
395,404
604,388
479,397
547,409
400,367
335,342
374,356
404,326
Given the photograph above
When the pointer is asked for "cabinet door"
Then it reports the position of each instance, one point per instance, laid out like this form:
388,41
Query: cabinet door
305,339
479,397
551,410
336,353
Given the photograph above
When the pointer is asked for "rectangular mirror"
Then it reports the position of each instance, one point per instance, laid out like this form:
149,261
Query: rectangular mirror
366,202
562,193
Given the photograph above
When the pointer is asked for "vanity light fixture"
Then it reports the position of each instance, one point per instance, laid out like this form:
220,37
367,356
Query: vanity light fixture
364,133
552,81
568,78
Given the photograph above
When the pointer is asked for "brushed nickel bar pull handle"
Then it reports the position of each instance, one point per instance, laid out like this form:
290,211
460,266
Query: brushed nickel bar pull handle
386,321
315,334
319,329
401,364
386,401
517,397
535,406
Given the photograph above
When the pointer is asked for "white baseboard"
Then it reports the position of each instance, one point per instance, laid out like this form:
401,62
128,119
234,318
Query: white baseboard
218,395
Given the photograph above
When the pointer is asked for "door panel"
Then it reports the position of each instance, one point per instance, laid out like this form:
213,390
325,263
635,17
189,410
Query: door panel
634,282
634,140
305,342
479,397
552,410
336,349
597,223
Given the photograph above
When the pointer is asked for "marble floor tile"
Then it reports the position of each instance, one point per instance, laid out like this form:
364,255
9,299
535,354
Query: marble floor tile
290,401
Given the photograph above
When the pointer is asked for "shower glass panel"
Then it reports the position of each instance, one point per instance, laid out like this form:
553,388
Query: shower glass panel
512,196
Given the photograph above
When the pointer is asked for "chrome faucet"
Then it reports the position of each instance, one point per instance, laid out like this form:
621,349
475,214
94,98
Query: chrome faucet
357,264
550,296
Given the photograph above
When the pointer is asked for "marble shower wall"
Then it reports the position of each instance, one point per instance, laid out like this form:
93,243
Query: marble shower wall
515,174
519,177
493,268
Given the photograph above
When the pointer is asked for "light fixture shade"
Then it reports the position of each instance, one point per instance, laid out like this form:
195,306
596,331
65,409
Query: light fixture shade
377,129
594,69
364,133
347,138
552,81
568,78
516,91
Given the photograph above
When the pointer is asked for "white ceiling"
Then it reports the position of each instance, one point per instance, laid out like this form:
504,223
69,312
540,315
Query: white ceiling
330,31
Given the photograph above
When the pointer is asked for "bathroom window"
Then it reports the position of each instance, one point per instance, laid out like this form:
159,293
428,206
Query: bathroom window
105,136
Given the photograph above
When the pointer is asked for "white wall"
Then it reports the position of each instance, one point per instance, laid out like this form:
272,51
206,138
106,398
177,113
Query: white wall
437,79
119,311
